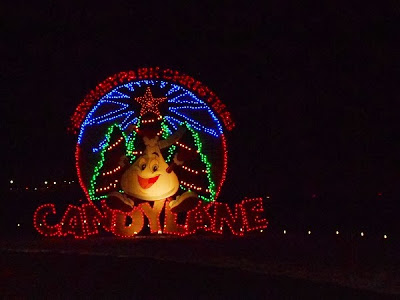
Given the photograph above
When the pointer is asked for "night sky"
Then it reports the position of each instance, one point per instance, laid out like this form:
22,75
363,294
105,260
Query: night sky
313,89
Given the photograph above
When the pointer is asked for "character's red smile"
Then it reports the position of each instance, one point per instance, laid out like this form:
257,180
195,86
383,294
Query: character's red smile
147,182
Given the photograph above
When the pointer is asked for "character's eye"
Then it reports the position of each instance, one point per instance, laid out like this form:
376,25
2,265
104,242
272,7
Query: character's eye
143,166
153,165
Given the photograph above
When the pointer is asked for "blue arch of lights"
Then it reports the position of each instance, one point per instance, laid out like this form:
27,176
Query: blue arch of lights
183,106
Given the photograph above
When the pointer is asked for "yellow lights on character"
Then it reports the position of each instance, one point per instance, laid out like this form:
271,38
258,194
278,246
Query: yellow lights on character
362,233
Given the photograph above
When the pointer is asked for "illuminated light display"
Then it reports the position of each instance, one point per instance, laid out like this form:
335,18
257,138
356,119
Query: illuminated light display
115,144
125,127
112,171
252,211
223,215
86,220
40,223
73,223
93,118
170,223
92,188
196,87
153,214
149,103
199,219
93,219
119,221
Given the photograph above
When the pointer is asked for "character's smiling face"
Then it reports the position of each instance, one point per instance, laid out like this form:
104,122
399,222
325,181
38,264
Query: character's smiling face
147,178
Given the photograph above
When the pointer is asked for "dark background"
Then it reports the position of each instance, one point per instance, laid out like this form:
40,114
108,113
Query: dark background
313,90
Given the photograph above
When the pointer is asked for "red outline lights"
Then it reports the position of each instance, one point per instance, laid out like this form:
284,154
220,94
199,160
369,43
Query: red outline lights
149,103
40,223
86,220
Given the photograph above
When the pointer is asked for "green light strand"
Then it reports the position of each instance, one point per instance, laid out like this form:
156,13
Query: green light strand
204,159
100,163
130,145
165,134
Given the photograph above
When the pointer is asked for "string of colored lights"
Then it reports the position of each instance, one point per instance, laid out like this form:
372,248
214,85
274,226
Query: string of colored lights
88,217
184,102
204,159
40,187
100,163
150,104
166,132
152,120
191,170
191,186
130,145
83,221
112,171
147,73
106,117
224,166
115,144
119,112
192,122
106,188
185,186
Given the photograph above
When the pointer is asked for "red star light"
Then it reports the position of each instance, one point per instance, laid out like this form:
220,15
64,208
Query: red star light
149,103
